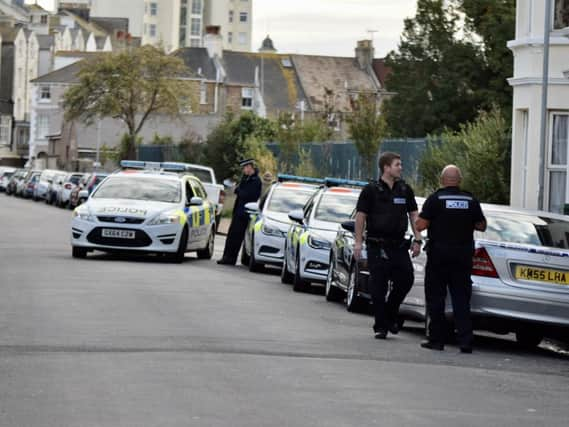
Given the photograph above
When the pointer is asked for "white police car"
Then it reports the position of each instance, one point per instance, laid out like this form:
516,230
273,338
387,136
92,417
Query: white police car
309,238
149,211
269,223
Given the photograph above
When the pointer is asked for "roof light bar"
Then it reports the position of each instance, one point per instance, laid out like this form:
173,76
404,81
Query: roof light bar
338,182
164,166
304,179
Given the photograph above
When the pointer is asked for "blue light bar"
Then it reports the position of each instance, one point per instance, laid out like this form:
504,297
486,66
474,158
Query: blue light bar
133,164
304,179
174,167
338,182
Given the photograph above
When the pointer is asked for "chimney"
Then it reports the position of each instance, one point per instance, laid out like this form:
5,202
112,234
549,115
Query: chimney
365,53
213,41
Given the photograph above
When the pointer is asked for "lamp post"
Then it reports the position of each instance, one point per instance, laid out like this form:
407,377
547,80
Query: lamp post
544,90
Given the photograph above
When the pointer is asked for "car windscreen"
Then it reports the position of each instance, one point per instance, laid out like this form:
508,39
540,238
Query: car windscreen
74,179
526,229
335,207
201,174
155,190
99,178
288,199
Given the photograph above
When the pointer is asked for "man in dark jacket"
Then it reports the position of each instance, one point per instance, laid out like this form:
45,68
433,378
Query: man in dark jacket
248,190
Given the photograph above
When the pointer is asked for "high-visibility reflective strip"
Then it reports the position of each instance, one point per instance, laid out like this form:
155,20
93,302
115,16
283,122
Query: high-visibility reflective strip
252,222
258,225
304,238
195,216
207,214
182,215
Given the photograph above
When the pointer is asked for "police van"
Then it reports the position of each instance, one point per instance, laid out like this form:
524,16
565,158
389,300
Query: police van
146,208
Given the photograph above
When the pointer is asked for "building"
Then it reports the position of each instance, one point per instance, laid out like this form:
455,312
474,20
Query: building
235,19
540,173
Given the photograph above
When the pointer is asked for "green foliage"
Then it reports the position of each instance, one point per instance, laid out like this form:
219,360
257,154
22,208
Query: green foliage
129,85
367,129
482,150
227,143
256,149
442,77
305,166
125,147
162,140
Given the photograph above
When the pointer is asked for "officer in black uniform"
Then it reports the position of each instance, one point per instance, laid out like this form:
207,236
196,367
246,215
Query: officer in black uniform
451,216
386,206
248,190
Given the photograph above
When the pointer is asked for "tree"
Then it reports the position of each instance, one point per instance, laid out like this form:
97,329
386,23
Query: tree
367,129
435,74
482,150
130,86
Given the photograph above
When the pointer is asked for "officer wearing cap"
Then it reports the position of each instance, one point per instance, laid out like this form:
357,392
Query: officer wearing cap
248,190
385,207
450,215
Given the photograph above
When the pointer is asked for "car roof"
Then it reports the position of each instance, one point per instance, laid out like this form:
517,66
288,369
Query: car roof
144,173
297,185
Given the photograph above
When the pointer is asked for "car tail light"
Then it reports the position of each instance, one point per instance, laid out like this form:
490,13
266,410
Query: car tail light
482,264
221,197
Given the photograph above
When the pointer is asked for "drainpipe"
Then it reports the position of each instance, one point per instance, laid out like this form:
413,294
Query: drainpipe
544,90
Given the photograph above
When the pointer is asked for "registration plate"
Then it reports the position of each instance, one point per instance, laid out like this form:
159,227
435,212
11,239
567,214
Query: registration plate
545,275
118,234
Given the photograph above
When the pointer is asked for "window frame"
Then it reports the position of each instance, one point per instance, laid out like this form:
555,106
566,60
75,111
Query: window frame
556,168
247,101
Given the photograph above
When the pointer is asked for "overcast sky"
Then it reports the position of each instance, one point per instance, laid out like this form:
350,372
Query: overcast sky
325,27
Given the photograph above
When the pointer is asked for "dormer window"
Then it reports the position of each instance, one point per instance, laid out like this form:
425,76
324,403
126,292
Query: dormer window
45,93
43,20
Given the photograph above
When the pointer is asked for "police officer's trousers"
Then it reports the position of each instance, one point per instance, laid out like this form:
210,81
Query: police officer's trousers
449,267
235,237
388,264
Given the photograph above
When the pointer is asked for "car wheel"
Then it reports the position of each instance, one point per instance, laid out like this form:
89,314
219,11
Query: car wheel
298,283
178,256
332,292
254,266
78,252
286,276
529,338
354,302
207,252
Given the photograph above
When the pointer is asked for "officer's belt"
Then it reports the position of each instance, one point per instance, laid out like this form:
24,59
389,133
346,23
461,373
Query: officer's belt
386,243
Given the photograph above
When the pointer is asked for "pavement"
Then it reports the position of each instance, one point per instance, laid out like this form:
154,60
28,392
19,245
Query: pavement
135,341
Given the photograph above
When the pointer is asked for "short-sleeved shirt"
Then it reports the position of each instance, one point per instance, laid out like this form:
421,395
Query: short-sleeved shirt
452,214
387,208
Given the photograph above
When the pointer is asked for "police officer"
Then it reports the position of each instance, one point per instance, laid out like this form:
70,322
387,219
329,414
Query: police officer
386,207
248,190
451,216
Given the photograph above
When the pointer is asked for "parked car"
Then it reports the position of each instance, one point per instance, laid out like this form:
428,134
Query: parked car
313,229
5,175
54,187
70,181
28,185
13,182
86,186
42,186
520,275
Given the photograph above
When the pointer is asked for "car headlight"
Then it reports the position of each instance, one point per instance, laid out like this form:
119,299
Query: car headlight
315,243
272,231
83,215
165,219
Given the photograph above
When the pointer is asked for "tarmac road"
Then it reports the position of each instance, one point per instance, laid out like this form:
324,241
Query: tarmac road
118,341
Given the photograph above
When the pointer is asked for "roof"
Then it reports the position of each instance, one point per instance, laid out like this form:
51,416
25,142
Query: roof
330,79
282,89
111,25
85,25
381,70
45,42
66,74
8,34
196,58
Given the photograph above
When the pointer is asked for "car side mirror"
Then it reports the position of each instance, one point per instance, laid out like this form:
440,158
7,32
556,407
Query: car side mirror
196,201
83,194
297,216
228,183
252,207
349,226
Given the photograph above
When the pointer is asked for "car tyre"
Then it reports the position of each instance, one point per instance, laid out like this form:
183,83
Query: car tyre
254,266
528,338
78,252
286,276
332,292
207,252
298,283
354,302
178,256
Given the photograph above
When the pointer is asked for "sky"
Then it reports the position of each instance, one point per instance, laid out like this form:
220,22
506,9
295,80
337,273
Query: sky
325,27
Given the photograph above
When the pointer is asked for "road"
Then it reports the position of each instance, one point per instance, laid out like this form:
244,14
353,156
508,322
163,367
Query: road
115,341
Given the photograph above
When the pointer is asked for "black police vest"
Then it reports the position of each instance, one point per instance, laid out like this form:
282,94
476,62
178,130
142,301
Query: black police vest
388,217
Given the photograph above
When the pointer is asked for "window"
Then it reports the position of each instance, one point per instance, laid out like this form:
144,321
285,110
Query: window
243,16
45,93
231,14
242,38
196,27
561,14
153,9
5,125
203,93
195,42
229,37
43,19
197,7
183,17
246,98
152,28
182,38
43,126
558,163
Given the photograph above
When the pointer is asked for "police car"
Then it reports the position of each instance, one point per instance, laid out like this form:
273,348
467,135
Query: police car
146,210
309,238
269,223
